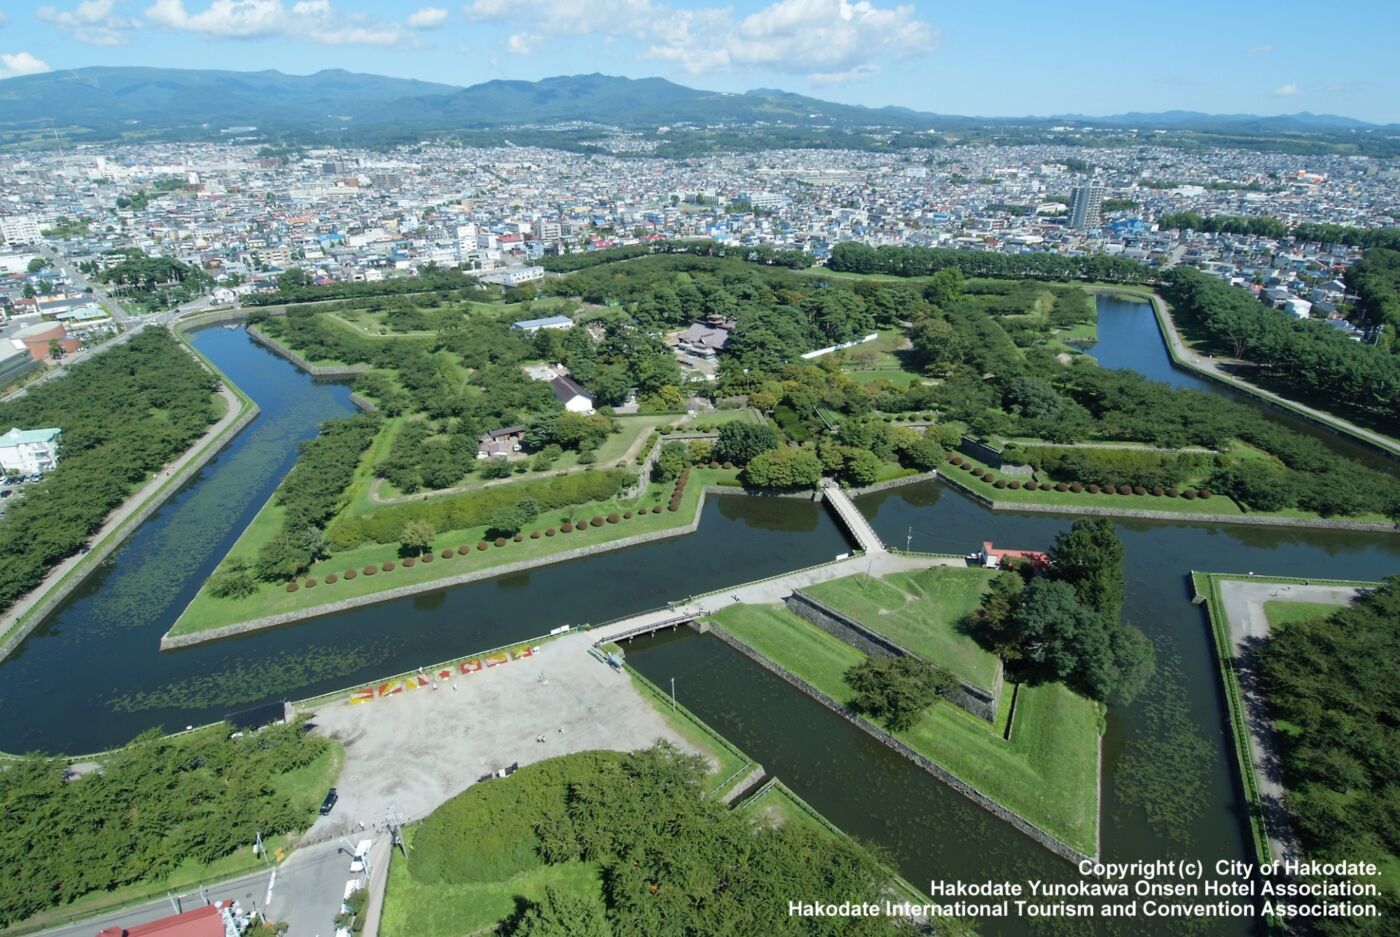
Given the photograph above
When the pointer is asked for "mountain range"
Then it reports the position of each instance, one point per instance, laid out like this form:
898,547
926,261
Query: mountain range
106,103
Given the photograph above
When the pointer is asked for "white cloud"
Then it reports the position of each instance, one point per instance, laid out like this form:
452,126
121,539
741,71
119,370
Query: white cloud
829,41
3,18
1263,48
521,43
1286,91
427,18
95,22
20,63
314,20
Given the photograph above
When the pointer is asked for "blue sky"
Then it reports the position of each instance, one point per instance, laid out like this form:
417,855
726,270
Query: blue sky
1012,57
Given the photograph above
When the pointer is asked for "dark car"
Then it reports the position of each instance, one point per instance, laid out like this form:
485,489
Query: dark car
328,804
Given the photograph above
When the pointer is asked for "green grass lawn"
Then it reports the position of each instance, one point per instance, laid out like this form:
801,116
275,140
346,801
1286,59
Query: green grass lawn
785,639
898,377
206,611
920,612
1047,772
1282,613
1082,333
706,422
413,909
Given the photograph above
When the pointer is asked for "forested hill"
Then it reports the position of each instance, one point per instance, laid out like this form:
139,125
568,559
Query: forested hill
103,103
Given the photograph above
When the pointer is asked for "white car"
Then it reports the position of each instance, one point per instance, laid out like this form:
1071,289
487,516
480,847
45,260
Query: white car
357,861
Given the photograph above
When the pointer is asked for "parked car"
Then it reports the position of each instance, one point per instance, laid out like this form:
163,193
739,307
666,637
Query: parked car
328,804
362,848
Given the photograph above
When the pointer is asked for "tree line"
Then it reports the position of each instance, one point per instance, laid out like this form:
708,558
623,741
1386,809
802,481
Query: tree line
1065,625
1265,226
673,862
853,257
1331,681
1306,359
150,808
124,414
756,253
310,496
1375,279
295,286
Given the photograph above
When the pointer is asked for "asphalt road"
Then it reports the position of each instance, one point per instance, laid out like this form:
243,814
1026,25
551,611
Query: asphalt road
306,894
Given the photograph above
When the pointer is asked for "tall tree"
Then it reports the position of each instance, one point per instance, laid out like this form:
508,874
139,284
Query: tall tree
1089,556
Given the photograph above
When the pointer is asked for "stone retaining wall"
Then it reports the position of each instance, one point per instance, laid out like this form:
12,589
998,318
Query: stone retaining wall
1052,843
892,483
1319,523
315,370
979,702
169,641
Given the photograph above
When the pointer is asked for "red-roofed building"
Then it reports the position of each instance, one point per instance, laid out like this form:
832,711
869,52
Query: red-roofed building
219,919
992,558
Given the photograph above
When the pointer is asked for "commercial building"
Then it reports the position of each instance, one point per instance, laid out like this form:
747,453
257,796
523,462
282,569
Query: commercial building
41,338
29,451
1086,206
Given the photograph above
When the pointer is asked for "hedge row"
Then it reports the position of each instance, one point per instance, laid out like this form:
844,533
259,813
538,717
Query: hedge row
679,493
1157,491
474,508
447,553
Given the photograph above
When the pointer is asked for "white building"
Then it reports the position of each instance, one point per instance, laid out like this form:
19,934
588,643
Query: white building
572,395
29,451
550,322
20,229
514,276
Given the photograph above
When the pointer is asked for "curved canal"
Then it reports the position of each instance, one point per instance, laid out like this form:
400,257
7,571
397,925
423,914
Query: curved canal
92,676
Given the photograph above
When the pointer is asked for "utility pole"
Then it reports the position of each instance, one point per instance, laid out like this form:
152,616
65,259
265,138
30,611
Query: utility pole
673,693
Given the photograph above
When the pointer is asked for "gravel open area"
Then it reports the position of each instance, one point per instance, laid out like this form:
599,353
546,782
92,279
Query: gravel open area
412,751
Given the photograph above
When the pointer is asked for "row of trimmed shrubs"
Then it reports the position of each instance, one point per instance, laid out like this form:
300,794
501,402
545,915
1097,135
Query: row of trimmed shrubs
447,553
1190,494
676,496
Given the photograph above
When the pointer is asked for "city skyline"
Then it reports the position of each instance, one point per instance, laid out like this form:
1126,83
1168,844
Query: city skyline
869,52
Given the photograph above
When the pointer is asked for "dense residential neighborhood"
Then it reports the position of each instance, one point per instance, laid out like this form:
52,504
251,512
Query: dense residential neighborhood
233,219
